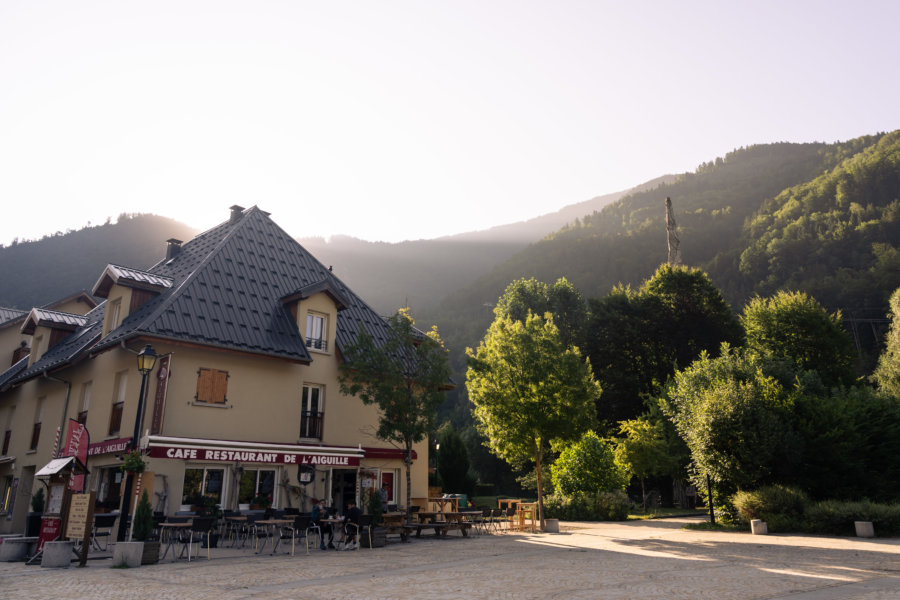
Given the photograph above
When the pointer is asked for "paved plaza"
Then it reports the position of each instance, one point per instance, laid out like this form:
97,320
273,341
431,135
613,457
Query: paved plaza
640,560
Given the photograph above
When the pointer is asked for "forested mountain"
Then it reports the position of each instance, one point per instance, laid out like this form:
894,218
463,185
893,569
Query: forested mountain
818,217
421,273
38,272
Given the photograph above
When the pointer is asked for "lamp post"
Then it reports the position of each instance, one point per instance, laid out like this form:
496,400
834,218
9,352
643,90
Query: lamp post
146,360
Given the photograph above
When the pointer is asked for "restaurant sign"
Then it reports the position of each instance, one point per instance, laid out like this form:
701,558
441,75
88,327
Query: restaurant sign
109,446
252,456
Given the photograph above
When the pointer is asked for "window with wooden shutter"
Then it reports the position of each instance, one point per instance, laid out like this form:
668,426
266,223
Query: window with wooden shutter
212,386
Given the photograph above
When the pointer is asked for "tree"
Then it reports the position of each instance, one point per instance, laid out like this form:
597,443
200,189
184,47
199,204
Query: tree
453,462
588,466
528,390
735,420
405,376
562,300
644,451
795,327
637,339
887,375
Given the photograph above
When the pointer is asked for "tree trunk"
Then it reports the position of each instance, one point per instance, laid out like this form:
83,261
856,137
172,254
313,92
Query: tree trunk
540,487
407,459
643,495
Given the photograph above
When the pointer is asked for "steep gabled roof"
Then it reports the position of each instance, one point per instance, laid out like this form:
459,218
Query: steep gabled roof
9,316
114,274
53,319
227,289
69,350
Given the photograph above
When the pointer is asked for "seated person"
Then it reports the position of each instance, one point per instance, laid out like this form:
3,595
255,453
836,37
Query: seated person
351,516
320,512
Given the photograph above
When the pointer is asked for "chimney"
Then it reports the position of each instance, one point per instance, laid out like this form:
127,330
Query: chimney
236,213
173,248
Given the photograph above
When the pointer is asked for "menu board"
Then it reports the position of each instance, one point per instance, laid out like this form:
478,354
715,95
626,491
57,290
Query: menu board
79,516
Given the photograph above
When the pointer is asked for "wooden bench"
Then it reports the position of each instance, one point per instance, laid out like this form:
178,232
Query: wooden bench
440,528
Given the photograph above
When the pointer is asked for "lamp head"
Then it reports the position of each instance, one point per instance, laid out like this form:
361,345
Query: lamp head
146,359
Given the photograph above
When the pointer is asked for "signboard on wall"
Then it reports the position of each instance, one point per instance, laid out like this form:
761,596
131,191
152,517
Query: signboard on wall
77,442
252,456
159,400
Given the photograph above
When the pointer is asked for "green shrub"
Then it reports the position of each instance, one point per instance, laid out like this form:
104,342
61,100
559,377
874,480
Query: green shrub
143,519
836,518
781,507
603,506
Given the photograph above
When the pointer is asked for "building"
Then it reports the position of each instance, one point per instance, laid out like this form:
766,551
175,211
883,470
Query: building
249,328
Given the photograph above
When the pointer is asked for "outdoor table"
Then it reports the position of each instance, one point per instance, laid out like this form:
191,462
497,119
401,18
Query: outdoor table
274,534
441,503
508,502
168,531
429,516
233,526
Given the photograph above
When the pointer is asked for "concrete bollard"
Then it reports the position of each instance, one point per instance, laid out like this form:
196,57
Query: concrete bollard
864,529
57,555
759,527
551,525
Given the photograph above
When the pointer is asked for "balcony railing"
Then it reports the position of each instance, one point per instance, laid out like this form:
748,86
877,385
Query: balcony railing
317,343
311,424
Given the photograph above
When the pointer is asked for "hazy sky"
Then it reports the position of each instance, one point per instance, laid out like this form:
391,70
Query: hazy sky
391,120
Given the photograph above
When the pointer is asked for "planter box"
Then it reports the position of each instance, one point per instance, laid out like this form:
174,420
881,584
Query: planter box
150,555
551,525
759,527
864,529
129,554
379,538
57,555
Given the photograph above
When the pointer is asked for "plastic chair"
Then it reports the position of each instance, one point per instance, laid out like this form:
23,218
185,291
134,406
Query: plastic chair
200,528
365,525
301,526
102,530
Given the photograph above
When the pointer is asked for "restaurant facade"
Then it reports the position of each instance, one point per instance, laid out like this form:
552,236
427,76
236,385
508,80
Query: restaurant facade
243,404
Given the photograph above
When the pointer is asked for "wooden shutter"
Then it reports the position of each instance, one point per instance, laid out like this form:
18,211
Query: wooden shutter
212,386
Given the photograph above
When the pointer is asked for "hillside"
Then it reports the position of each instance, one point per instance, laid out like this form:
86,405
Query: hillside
38,272
421,273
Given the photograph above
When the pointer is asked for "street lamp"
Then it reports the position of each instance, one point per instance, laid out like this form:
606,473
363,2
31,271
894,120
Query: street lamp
146,360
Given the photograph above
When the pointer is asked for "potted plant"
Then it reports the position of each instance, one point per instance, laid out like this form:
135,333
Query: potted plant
134,463
261,501
143,531
33,522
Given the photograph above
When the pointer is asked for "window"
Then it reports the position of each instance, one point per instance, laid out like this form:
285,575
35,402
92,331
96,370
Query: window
6,494
36,430
20,353
7,435
118,402
202,482
113,312
256,483
85,403
212,386
311,413
315,332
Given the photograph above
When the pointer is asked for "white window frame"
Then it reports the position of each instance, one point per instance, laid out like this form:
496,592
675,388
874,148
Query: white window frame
317,331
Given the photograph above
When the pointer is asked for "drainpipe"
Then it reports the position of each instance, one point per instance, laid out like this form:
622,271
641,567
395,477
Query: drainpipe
65,410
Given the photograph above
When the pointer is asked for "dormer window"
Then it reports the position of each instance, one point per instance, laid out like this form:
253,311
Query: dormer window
316,330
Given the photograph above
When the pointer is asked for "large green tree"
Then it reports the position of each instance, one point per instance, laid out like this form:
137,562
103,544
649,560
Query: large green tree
405,375
887,375
562,300
588,466
453,462
637,339
794,326
528,390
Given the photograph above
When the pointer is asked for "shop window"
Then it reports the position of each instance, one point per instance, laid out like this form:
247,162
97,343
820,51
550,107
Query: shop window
118,403
311,411
212,386
256,482
202,482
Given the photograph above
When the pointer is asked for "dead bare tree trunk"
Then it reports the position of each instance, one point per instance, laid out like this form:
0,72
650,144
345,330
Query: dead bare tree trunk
672,235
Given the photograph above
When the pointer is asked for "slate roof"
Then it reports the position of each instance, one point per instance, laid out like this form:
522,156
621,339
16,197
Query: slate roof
227,289
72,348
131,278
46,317
7,315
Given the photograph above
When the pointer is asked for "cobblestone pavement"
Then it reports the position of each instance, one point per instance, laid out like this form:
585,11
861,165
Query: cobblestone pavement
646,560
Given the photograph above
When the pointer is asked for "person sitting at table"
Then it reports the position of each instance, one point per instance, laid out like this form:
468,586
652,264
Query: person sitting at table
351,525
320,512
